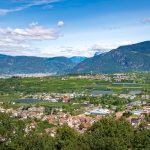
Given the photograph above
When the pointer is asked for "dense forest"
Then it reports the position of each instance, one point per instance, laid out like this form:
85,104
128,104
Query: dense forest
107,134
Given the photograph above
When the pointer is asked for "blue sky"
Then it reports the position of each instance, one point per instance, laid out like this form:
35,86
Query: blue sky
71,27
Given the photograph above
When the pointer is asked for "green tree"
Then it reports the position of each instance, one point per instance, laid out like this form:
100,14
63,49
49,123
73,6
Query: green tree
66,138
109,134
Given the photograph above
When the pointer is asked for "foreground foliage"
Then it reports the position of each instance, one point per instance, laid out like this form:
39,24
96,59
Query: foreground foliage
108,134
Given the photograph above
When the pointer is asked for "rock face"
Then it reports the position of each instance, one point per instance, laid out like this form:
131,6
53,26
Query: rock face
134,57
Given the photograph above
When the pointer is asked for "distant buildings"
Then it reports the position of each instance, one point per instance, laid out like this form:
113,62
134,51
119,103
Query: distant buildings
100,111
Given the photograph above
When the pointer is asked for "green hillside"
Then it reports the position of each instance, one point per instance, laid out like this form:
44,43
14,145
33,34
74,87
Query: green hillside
24,64
134,57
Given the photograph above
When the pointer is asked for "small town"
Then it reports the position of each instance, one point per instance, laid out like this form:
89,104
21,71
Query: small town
74,74
136,110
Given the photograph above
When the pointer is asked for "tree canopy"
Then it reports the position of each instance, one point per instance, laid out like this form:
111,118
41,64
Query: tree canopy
107,134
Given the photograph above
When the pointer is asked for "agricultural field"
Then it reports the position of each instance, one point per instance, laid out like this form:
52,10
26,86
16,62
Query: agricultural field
14,88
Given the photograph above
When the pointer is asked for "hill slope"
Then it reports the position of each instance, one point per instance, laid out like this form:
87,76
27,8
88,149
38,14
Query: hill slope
24,64
77,59
134,57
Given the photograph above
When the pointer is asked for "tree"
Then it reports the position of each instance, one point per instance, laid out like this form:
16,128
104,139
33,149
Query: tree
109,134
141,139
106,134
66,138
11,132
35,141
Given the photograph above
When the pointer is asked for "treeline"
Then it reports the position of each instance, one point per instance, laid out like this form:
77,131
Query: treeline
107,134
104,100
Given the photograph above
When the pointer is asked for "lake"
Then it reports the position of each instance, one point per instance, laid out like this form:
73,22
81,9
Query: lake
99,92
28,101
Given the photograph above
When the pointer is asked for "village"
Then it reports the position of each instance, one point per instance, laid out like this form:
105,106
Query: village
78,100
137,111
75,75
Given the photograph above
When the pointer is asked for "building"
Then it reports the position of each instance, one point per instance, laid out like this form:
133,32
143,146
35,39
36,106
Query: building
100,111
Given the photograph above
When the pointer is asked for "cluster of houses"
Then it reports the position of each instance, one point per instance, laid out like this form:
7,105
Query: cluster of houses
82,121
66,97
32,112
137,110
53,97
137,116
104,77
98,111
79,122
118,77
29,75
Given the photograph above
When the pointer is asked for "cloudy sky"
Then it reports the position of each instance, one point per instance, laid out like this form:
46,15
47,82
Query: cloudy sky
71,27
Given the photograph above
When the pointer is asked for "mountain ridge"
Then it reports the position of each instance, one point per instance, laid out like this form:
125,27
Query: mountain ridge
33,64
135,57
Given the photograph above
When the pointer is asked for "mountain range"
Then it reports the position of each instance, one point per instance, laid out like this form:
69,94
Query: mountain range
28,64
135,57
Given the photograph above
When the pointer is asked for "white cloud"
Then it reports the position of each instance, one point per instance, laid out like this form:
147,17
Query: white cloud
33,24
27,4
78,50
60,23
124,42
8,46
14,40
146,20
6,11
68,51
103,48
100,48
24,41
111,46
33,32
